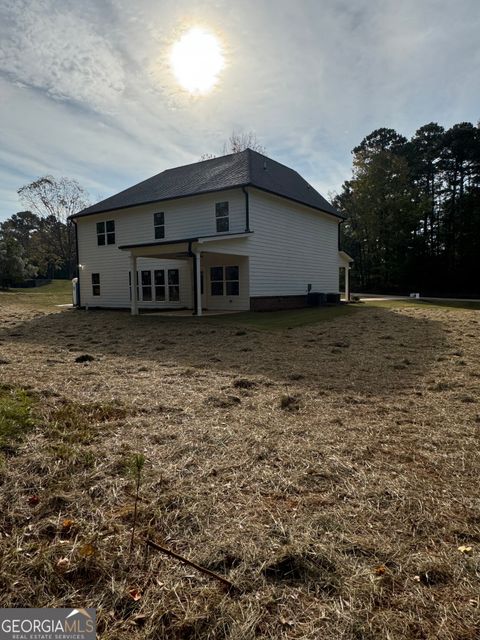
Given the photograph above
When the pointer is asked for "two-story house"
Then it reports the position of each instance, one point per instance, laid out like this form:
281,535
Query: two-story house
236,232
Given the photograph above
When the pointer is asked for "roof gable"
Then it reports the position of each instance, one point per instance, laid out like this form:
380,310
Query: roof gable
247,168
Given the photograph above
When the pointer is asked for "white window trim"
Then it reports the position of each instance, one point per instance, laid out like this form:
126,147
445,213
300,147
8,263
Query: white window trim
224,281
152,286
223,217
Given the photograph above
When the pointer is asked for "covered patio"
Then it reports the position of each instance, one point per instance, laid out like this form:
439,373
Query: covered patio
218,278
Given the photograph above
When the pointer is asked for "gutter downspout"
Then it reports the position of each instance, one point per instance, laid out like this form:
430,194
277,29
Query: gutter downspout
339,226
197,293
247,210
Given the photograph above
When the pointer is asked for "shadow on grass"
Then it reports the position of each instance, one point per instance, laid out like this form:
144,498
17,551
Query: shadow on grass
369,349
274,320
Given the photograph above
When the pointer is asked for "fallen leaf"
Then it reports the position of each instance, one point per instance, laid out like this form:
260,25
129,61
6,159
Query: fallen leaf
380,570
33,501
134,594
464,549
87,550
63,564
67,524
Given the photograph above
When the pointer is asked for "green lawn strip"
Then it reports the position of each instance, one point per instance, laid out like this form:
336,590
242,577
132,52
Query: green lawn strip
16,417
49,295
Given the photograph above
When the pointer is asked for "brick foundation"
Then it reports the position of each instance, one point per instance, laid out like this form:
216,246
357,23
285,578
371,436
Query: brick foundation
276,303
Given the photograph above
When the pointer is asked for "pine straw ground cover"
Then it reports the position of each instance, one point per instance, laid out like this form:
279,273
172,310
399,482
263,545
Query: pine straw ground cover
331,472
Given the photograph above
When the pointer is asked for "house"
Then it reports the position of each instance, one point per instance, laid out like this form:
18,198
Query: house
237,232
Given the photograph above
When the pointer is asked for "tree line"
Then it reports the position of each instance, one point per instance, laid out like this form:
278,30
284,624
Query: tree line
40,241
413,211
412,214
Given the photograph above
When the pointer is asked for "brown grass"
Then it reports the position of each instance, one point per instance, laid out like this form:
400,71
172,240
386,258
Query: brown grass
329,471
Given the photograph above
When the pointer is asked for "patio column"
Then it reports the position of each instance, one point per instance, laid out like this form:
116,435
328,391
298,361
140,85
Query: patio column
133,269
347,283
198,283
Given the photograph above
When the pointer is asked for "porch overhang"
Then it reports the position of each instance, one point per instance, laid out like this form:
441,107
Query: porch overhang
180,248
345,259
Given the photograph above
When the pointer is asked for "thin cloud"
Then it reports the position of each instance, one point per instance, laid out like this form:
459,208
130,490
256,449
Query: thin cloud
87,91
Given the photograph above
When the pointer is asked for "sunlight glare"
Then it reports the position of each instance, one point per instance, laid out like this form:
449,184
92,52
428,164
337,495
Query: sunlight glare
196,60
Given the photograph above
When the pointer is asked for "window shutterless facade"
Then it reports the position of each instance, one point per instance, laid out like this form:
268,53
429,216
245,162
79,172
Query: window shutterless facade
225,281
106,232
147,286
159,279
222,216
232,281
159,225
173,285
95,284
154,286
216,281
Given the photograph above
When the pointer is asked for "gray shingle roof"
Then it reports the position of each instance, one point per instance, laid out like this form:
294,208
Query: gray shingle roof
247,168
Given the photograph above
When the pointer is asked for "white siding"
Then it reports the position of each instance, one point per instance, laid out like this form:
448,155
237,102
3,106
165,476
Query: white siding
187,217
113,266
291,246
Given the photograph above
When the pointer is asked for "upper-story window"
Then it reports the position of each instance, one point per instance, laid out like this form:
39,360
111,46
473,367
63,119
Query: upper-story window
106,232
221,215
159,225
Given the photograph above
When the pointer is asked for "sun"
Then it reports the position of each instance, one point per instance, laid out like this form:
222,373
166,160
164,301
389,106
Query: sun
196,60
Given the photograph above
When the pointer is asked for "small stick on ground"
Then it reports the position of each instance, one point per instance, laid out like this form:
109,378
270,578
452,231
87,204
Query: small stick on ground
177,556
136,465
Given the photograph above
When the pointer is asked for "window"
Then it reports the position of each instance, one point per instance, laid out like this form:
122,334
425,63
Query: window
173,285
232,281
225,281
156,288
159,279
216,281
159,225
221,215
96,284
106,232
146,286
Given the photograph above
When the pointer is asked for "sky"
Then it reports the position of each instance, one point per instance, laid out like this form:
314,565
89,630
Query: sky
87,91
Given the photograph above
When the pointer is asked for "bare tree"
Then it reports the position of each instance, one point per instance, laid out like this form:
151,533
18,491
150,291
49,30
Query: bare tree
48,196
238,142
54,200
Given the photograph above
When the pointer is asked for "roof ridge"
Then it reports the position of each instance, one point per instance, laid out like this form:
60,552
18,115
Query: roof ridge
247,167
190,164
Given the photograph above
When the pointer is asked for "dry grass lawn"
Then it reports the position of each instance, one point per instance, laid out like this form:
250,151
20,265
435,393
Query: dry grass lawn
330,471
